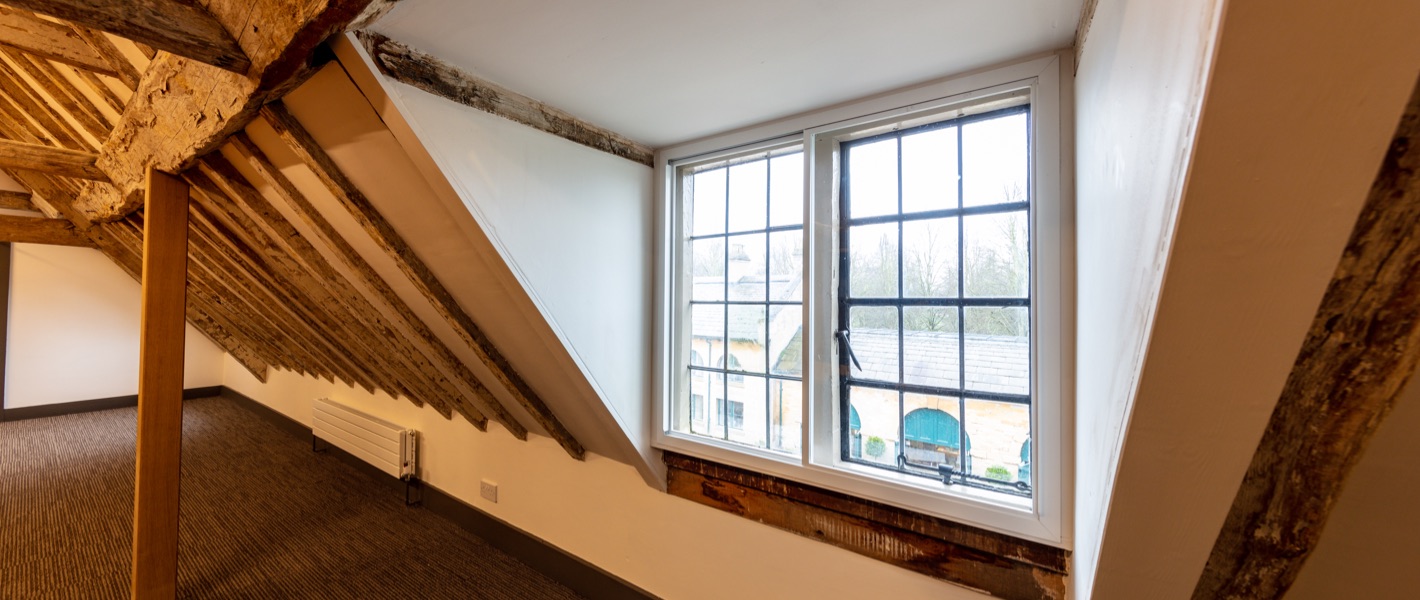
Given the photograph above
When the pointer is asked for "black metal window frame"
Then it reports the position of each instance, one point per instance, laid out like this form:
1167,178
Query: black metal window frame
727,369
958,474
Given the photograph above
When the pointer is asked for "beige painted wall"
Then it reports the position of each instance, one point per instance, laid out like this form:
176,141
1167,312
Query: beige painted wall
74,325
603,511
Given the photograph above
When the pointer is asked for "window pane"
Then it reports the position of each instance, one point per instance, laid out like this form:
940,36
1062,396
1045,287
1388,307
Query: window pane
747,338
747,267
872,179
997,255
929,258
995,161
749,189
786,265
872,269
786,189
707,390
998,432
707,267
873,334
998,349
931,431
786,339
929,170
707,325
875,412
745,411
785,415
706,202
930,342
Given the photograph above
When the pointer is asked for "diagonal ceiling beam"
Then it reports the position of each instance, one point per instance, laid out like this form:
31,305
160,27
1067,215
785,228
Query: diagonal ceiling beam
431,74
182,28
14,200
48,159
183,109
33,230
383,233
1362,348
27,33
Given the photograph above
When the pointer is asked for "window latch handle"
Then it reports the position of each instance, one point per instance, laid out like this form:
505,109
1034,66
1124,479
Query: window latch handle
843,335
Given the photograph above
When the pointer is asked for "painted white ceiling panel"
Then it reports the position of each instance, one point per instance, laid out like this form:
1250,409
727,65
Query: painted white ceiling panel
664,72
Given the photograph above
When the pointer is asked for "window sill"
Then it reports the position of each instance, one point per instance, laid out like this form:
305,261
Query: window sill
998,564
1008,515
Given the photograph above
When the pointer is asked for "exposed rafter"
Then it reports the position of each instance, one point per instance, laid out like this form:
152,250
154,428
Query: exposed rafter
1361,350
47,159
182,28
394,246
429,73
15,200
183,109
27,33
31,230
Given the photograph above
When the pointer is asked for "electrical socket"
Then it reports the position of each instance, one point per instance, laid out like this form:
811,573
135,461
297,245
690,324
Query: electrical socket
489,491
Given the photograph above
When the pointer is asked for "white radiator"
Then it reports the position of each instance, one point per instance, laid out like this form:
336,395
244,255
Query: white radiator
389,447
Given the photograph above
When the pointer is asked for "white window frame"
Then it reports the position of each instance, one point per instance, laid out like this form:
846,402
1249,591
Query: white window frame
1041,518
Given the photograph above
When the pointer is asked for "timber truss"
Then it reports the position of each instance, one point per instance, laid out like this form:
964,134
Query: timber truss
94,93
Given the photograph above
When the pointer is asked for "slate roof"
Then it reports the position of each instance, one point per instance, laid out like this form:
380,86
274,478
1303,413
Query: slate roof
994,363
745,325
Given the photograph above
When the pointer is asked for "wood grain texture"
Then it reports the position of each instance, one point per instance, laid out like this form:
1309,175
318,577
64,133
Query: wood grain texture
31,230
16,200
184,109
1361,350
47,159
433,290
160,372
182,28
383,294
993,563
120,66
407,65
63,92
44,113
27,33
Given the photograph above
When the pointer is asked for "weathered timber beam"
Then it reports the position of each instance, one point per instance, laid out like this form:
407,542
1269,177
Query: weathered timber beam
1361,350
64,93
15,200
122,68
431,74
354,201
46,159
41,111
415,370
31,230
27,33
182,109
317,282
997,564
102,89
182,28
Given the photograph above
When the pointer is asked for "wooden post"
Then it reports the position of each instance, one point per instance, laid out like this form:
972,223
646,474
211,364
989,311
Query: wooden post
155,506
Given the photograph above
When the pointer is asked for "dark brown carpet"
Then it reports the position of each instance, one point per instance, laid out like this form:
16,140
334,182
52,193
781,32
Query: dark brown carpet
262,517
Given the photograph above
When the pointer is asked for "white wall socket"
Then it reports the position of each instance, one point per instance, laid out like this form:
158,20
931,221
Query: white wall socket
489,490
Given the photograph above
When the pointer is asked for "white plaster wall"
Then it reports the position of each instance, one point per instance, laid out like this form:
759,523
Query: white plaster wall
603,512
1181,362
1138,90
74,330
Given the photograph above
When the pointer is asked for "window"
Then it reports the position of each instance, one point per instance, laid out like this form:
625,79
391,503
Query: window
907,345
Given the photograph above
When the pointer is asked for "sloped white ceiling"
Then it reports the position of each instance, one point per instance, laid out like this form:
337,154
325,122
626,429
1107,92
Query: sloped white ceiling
663,72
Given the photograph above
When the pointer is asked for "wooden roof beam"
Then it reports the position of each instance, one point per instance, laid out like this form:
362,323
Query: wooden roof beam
34,230
433,290
183,109
426,72
1358,356
27,33
182,28
16,200
47,159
